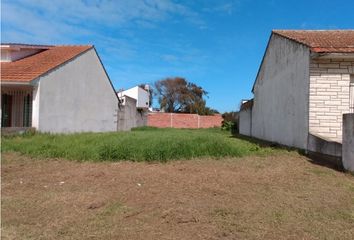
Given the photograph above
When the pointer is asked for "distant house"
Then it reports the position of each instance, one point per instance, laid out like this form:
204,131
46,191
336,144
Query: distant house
134,104
303,87
141,96
58,89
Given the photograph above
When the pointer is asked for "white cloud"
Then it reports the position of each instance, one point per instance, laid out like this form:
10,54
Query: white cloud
227,7
24,24
72,21
54,19
98,22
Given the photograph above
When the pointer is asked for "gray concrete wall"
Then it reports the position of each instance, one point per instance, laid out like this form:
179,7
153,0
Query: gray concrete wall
130,116
281,93
323,145
245,122
77,97
348,142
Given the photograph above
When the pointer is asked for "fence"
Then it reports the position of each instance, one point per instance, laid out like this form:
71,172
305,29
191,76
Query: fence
182,120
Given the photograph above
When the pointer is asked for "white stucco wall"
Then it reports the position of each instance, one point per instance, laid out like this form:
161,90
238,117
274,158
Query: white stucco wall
245,122
77,97
143,98
141,95
281,92
35,106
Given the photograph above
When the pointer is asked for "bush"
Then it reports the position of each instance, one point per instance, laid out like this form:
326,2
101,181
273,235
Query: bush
230,126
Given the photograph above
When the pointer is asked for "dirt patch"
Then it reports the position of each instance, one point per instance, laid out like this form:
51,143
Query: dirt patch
280,197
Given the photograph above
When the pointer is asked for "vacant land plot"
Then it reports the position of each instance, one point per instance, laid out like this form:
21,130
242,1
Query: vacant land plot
143,144
274,197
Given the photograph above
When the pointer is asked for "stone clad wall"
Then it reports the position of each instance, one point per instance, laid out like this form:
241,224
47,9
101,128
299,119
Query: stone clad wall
329,96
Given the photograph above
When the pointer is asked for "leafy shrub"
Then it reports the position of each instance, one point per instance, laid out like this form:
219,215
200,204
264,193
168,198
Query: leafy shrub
230,126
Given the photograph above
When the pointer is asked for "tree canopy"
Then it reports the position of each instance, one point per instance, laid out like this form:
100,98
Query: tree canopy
179,95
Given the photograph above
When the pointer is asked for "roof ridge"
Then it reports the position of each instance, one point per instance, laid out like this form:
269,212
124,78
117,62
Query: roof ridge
47,45
321,40
290,38
74,45
26,44
313,30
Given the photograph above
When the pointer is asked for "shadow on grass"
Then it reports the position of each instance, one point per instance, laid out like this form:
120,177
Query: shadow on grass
319,159
328,161
263,143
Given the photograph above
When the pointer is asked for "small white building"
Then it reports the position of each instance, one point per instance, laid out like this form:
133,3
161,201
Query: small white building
303,87
57,89
139,94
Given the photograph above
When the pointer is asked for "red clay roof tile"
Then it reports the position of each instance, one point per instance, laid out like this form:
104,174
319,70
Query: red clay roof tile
32,67
322,41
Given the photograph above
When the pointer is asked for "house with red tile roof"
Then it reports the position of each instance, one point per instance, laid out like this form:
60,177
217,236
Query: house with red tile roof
57,89
303,87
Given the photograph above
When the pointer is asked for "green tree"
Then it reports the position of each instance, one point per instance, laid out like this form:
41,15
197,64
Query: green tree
179,95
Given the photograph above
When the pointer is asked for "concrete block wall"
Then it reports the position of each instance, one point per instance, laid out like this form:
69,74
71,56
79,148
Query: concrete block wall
329,96
182,120
129,116
348,142
246,122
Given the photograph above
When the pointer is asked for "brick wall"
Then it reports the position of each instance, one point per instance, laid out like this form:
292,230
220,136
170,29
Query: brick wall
329,96
182,120
210,121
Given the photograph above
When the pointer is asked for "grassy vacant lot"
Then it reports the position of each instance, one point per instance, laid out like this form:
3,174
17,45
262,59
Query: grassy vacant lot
274,197
250,192
143,144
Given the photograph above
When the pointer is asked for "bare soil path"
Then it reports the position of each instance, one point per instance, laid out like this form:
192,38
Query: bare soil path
280,197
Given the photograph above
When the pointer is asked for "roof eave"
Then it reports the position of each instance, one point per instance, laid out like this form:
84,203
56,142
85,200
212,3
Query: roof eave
4,82
324,55
16,83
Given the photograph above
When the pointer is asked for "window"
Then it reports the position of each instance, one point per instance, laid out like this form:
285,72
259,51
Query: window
27,110
6,110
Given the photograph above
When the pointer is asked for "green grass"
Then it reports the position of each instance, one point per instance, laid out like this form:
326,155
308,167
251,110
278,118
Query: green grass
141,144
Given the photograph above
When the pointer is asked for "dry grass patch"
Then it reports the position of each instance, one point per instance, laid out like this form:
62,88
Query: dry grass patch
276,197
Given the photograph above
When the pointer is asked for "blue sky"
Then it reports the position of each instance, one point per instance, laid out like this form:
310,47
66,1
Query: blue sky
217,44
